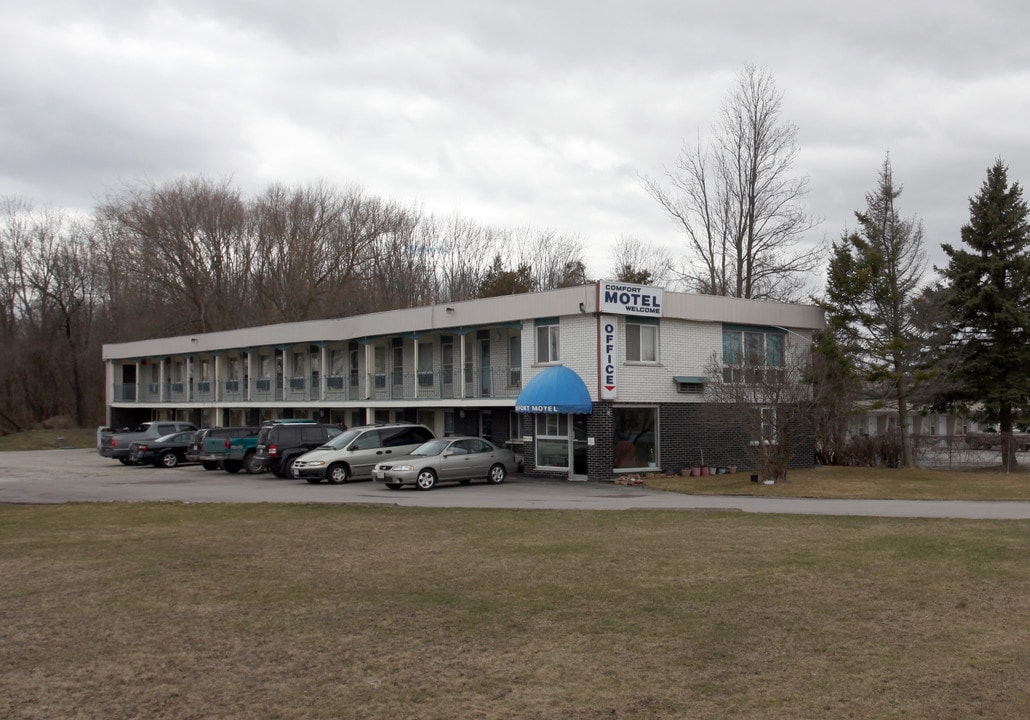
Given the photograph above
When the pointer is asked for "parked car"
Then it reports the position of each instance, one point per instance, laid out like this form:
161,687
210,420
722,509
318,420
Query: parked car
214,447
353,454
116,445
279,444
461,459
990,439
166,451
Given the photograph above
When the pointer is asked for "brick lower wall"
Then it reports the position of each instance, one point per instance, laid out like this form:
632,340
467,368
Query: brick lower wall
689,433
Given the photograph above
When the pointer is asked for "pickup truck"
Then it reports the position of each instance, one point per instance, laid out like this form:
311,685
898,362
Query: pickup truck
239,454
989,440
214,451
115,445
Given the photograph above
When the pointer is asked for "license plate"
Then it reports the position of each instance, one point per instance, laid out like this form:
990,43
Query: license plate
380,475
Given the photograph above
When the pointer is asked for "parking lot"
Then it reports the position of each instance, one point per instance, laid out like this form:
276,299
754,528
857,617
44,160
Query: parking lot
80,475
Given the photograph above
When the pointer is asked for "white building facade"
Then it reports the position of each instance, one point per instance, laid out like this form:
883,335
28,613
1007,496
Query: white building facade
642,357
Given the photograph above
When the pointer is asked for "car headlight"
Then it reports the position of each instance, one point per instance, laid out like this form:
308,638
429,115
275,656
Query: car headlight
404,468
313,463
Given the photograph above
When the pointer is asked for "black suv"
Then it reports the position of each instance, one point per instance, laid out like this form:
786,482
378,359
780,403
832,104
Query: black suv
280,443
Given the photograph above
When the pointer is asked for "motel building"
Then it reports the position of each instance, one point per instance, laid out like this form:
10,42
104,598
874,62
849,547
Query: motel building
585,383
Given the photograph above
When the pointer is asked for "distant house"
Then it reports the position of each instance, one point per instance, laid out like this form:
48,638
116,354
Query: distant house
585,381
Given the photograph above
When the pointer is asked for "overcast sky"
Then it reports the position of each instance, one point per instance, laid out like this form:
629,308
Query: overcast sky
538,113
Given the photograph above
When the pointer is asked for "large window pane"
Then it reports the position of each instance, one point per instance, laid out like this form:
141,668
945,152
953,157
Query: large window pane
635,437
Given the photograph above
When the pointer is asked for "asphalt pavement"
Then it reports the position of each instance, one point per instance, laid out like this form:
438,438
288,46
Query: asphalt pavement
81,475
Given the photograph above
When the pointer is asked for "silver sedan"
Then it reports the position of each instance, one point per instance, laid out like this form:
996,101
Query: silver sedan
461,459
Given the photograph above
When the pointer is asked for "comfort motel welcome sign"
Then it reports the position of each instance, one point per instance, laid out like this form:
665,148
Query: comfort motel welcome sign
617,298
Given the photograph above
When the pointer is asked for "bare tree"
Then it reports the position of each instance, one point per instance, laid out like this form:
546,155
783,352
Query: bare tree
643,263
312,245
764,400
186,242
739,203
51,300
555,260
402,268
463,249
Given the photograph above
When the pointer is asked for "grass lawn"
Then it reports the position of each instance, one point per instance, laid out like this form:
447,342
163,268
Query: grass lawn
49,439
856,482
311,611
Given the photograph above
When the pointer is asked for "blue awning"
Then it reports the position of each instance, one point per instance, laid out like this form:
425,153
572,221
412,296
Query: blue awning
556,390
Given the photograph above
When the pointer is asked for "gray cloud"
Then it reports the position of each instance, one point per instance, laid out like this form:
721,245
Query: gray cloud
515,114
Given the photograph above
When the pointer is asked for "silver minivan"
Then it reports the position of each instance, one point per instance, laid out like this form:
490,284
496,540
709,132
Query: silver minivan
354,453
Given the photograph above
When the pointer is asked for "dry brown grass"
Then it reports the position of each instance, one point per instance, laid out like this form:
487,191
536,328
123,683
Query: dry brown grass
221,611
854,482
49,439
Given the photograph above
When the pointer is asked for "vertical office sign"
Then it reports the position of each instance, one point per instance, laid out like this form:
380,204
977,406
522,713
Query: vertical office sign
608,328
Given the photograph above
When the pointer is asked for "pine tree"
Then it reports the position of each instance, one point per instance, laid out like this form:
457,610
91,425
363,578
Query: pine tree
872,281
988,301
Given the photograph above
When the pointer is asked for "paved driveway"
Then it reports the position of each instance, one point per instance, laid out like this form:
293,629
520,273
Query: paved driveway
57,476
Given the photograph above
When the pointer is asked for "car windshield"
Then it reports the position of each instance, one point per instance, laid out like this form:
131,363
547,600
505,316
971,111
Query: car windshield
433,447
342,440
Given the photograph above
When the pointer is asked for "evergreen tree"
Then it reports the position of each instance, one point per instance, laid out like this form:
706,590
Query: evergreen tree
988,303
873,279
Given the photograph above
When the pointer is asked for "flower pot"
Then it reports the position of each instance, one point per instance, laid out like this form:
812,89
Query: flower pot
754,478
732,469
704,470
695,471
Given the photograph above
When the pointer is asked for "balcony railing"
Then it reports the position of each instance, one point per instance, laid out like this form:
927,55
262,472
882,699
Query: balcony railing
436,384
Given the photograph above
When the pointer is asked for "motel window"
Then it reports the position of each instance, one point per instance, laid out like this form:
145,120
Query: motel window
752,355
641,340
547,336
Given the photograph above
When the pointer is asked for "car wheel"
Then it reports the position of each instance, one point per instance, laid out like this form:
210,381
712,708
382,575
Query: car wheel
393,486
288,467
231,466
426,480
125,461
497,474
252,465
167,460
337,473
209,465
277,472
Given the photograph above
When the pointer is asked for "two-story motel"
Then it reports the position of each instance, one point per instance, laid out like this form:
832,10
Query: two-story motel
584,382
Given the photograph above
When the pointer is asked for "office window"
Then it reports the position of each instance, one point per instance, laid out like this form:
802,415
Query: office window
547,340
641,341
